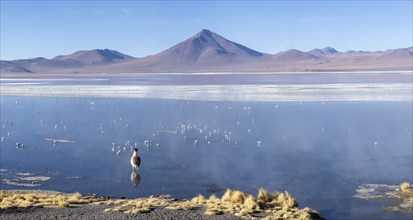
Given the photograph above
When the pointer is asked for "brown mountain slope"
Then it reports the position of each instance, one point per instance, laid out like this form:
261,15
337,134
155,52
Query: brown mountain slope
207,51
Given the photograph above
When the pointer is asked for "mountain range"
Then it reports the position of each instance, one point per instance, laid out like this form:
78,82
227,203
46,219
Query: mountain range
207,51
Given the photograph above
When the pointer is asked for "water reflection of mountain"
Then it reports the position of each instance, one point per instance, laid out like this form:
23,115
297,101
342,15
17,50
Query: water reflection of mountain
135,177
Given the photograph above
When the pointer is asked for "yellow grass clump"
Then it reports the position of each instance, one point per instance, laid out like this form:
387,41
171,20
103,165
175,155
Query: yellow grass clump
9,199
213,211
406,198
273,206
63,203
263,195
405,186
238,197
199,200
286,200
250,203
227,196
213,198
140,205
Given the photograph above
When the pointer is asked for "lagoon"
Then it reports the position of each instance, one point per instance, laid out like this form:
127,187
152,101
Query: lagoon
318,151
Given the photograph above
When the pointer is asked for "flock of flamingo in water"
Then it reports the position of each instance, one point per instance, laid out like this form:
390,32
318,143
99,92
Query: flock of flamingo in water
197,133
192,132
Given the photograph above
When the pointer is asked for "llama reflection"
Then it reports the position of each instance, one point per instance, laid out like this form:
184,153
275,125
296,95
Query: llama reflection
135,177
135,161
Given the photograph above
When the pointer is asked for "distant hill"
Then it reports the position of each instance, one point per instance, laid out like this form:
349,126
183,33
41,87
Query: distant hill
324,51
207,51
13,67
402,53
77,60
94,57
293,55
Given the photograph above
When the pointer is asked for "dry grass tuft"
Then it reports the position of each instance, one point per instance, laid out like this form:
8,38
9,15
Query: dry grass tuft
238,197
199,200
242,213
264,196
29,197
286,200
63,203
213,212
213,198
405,186
250,203
227,196
143,205
272,206
9,199
406,198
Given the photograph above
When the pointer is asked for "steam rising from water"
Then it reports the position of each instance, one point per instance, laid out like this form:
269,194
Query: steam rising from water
318,151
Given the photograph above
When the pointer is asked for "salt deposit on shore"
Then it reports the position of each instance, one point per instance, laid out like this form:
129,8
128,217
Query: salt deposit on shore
298,92
22,179
403,193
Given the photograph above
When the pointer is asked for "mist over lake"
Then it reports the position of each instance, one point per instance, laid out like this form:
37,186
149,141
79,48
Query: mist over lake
318,151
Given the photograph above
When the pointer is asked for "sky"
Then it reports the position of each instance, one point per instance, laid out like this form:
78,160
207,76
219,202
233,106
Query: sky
140,28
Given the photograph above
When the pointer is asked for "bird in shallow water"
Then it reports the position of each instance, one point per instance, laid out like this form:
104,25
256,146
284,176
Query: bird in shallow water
135,160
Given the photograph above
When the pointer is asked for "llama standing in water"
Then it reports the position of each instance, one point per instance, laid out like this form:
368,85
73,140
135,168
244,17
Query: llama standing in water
135,160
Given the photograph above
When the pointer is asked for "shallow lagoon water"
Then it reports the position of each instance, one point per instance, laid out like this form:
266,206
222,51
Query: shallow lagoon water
320,152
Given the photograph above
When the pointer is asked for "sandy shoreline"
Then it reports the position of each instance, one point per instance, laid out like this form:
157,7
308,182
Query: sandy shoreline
97,212
39,204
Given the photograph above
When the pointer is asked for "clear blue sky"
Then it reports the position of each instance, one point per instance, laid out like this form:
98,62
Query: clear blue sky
140,28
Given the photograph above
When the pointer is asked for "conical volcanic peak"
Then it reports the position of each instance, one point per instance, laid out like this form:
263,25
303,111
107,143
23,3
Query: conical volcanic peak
205,47
222,43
